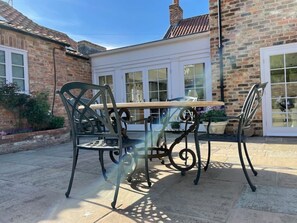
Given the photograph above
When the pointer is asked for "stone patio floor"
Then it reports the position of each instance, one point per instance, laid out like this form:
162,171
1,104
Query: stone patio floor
33,184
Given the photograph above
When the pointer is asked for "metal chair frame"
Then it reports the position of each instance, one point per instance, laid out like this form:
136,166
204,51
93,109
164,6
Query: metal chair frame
244,119
104,127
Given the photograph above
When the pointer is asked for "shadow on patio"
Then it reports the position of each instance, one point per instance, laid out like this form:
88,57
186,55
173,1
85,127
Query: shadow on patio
33,184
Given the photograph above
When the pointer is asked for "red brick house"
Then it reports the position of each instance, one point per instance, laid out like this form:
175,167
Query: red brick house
239,43
37,58
258,39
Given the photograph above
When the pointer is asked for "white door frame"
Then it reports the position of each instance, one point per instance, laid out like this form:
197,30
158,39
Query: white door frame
265,53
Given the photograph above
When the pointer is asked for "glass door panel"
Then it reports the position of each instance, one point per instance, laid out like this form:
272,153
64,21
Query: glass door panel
283,76
158,90
134,93
194,77
106,79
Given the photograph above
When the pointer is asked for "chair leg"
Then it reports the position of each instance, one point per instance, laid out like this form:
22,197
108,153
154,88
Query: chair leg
248,159
74,162
147,169
244,169
199,158
208,156
101,160
130,176
118,182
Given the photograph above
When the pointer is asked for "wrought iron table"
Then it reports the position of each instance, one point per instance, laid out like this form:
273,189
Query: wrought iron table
185,107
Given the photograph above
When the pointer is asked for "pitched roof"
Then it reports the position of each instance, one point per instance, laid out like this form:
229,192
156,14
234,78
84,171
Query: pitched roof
13,19
197,24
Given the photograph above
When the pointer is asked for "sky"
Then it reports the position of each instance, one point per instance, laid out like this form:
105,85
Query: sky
109,23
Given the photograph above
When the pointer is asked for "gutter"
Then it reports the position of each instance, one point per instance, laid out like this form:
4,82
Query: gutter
221,51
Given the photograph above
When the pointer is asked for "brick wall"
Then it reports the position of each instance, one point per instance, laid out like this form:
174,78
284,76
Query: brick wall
32,140
41,68
247,26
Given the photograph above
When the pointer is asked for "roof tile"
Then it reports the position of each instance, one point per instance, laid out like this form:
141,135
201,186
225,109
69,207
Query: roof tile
197,24
16,20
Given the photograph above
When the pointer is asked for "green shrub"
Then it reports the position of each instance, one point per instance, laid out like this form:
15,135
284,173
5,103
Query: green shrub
35,108
56,122
36,111
14,101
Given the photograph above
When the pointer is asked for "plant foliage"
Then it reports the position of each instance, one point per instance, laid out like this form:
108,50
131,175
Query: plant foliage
34,108
214,114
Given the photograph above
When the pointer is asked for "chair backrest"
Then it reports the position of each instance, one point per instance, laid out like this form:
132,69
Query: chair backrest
78,97
251,104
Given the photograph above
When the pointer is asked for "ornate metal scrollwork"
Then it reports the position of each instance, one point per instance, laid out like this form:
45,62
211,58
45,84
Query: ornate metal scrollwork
189,116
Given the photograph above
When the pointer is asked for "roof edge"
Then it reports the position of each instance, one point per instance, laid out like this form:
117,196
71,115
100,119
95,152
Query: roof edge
147,44
32,34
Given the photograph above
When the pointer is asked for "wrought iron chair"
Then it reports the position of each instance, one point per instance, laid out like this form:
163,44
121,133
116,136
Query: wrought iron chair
101,128
244,120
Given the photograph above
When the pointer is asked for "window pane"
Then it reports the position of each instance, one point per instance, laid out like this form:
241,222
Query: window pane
194,77
279,120
138,77
101,80
20,83
134,87
276,61
17,72
277,76
109,80
153,75
2,56
2,70
129,77
17,59
2,81
292,75
278,90
200,93
106,80
292,90
199,68
134,93
163,74
291,60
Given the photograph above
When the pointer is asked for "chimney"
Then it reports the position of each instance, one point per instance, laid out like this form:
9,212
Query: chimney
176,13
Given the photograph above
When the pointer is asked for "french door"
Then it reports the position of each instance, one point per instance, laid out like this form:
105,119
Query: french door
146,85
279,69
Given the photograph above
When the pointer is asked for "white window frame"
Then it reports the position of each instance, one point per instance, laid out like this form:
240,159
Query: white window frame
208,78
265,53
8,65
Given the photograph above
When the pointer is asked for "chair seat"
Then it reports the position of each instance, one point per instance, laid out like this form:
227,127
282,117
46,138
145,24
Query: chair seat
220,137
110,144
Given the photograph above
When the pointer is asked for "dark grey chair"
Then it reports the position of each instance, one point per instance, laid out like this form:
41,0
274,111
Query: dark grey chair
244,120
102,129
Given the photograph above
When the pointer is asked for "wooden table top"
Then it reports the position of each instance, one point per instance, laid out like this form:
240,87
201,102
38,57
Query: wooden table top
162,104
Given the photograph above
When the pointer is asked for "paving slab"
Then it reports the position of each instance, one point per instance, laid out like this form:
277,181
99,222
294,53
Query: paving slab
33,184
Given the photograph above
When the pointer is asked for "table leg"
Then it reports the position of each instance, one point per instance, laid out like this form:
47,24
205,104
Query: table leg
187,154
